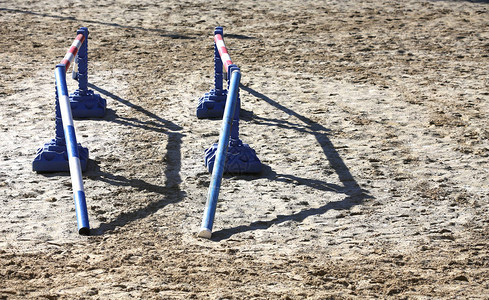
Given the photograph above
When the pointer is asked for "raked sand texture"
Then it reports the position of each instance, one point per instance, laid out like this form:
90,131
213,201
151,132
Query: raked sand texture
371,118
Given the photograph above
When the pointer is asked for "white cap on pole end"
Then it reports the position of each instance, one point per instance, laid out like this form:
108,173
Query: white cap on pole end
204,233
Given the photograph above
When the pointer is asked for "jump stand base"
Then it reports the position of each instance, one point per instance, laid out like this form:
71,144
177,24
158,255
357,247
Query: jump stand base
211,105
87,105
240,159
54,158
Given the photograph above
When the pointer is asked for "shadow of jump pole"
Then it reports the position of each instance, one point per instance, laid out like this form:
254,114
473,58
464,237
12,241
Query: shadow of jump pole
218,169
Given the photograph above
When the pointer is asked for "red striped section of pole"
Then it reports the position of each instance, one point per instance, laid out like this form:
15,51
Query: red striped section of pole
223,52
70,55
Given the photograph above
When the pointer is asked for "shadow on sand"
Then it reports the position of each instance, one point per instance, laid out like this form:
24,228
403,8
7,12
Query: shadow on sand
161,32
355,195
170,192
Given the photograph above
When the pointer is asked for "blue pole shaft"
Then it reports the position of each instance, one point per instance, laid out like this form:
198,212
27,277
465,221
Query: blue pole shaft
235,126
217,171
72,150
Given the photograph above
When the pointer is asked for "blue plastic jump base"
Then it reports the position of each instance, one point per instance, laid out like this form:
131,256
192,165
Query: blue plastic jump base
52,157
87,105
84,102
240,158
211,105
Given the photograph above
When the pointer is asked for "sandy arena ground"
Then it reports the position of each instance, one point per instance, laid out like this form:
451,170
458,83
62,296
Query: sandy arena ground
371,118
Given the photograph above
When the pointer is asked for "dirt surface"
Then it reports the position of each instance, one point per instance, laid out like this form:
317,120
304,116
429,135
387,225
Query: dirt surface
371,118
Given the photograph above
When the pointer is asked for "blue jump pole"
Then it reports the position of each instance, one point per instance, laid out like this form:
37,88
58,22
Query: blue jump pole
218,169
72,150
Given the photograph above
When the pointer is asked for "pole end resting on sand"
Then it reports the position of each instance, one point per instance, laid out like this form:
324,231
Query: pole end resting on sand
204,233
